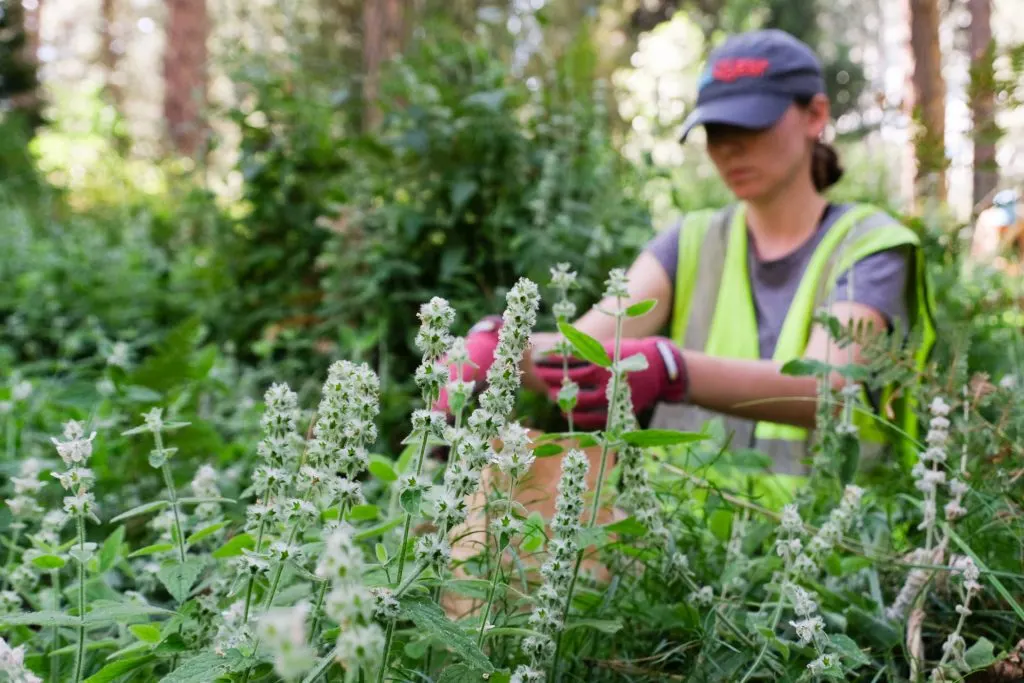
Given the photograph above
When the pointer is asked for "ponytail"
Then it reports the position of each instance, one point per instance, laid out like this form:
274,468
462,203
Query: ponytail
825,167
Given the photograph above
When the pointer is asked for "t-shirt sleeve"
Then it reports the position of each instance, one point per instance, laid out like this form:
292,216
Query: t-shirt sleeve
879,281
665,248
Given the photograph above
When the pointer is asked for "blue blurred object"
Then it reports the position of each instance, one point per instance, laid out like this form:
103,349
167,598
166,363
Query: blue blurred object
1005,201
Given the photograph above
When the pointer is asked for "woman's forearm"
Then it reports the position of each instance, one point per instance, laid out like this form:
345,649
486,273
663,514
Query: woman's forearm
753,389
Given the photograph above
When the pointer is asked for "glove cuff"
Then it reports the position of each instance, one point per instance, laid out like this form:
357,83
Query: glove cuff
676,380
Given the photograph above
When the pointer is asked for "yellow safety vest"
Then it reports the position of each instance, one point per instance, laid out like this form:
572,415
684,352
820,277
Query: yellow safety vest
714,313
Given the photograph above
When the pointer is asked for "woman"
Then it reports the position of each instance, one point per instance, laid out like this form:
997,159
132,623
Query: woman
738,287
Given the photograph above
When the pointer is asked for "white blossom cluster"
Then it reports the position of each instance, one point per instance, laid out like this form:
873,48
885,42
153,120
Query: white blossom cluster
809,626
204,485
278,451
821,544
926,471
617,284
954,647
283,631
12,664
636,496
557,571
24,505
351,604
503,377
434,340
562,280
75,450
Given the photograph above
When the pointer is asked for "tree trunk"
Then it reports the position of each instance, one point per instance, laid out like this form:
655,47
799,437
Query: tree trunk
108,54
983,101
382,39
927,105
185,73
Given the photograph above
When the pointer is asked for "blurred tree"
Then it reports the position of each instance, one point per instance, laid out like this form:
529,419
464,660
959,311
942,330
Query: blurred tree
983,100
109,52
927,99
185,78
844,77
19,85
383,37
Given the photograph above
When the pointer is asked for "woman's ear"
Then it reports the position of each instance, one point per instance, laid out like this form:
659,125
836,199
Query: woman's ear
819,111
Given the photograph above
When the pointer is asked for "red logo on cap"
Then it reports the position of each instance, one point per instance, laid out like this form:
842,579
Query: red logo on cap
731,69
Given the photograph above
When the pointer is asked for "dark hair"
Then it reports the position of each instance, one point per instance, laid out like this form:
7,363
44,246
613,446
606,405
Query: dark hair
826,170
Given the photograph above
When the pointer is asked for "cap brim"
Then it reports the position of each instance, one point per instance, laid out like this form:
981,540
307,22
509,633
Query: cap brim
755,111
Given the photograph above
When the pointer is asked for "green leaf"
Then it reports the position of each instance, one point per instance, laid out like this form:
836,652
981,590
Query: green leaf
381,468
192,500
629,527
641,308
206,666
635,363
594,535
152,550
985,572
49,561
378,530
44,618
205,532
661,437
429,617
179,578
533,533
547,450
463,673
609,626
981,655
147,633
405,457
805,366
234,546
110,550
879,632
362,513
587,347
115,670
849,649
381,552
109,612
849,565
410,500
140,510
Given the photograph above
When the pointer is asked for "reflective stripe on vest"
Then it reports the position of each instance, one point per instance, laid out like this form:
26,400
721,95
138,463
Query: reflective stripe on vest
721,321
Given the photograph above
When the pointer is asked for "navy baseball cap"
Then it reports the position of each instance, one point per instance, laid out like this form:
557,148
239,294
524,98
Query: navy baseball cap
751,79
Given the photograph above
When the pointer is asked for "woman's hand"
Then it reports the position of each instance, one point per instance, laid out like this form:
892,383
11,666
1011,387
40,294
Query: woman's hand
663,379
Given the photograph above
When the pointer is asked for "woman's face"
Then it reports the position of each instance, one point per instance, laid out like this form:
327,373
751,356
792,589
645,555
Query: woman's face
759,164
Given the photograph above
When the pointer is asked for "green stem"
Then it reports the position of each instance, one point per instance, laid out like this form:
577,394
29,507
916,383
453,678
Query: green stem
172,496
497,571
401,563
55,633
388,635
322,666
248,598
80,657
597,489
12,436
490,599
409,580
318,610
15,537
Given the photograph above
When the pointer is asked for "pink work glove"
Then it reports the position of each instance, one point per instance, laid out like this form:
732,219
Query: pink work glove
664,380
481,342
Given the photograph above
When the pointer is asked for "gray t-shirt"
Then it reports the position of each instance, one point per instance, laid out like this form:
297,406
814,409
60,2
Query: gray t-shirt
879,280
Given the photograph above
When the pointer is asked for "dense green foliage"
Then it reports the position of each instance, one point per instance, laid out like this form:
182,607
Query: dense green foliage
112,308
